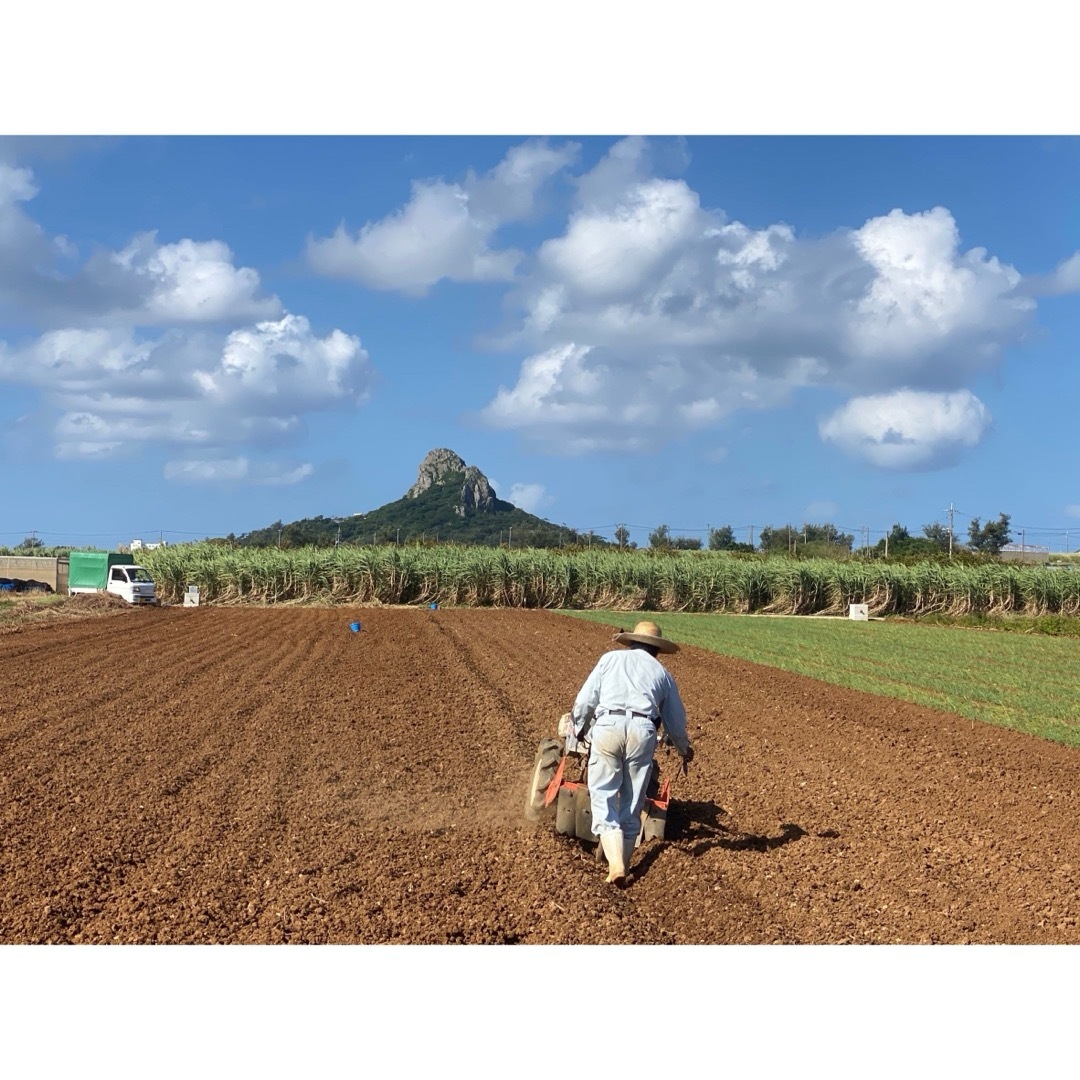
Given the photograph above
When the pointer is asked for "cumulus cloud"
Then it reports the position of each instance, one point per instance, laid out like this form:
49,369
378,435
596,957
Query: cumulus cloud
580,399
908,429
446,230
164,344
144,284
652,314
191,281
115,390
532,498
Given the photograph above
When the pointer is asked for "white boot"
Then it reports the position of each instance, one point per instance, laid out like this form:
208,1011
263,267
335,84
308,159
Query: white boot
613,843
628,845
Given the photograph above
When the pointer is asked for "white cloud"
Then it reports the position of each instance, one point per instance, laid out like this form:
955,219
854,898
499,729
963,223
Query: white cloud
229,368
16,185
531,498
115,391
192,282
612,253
652,314
144,284
234,470
208,470
1073,510
1066,278
283,476
446,230
908,429
577,399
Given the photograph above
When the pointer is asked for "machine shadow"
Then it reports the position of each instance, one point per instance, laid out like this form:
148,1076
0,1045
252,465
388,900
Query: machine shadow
699,822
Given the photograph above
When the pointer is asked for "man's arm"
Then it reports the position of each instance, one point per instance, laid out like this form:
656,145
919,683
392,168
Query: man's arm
587,700
673,717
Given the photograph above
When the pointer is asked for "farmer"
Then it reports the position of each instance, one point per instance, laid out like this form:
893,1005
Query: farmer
625,699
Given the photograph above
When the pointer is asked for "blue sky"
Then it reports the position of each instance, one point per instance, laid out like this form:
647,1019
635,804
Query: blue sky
204,334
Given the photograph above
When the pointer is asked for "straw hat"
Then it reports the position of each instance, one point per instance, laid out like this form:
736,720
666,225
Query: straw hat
648,633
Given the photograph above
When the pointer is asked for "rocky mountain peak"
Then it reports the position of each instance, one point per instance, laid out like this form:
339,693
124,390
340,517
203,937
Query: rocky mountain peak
436,464
477,494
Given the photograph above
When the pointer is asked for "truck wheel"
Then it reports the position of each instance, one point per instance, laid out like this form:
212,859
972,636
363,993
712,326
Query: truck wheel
544,768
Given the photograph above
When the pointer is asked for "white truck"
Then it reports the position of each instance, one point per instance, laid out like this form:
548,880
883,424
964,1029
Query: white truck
105,571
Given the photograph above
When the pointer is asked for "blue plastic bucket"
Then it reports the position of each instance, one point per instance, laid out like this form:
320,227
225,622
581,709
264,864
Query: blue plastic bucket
433,605
354,626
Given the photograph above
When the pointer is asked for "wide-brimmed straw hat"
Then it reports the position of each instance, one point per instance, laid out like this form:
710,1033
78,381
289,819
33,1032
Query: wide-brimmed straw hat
647,633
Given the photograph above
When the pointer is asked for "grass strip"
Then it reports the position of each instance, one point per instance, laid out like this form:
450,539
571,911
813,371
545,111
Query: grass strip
1019,681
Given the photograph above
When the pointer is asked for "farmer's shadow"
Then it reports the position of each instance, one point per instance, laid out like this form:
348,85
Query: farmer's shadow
699,822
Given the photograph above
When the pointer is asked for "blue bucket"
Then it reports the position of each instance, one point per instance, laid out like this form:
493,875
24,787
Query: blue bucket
354,626
433,606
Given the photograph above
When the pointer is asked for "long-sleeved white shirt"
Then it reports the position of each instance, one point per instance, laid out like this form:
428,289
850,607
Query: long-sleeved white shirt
632,679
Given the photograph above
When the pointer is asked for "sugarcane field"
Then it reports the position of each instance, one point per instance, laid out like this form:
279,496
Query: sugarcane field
268,774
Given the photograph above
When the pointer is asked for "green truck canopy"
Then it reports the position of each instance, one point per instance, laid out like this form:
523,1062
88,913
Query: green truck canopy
90,569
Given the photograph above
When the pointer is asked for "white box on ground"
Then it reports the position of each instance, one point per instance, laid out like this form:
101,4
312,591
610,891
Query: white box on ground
859,612
191,597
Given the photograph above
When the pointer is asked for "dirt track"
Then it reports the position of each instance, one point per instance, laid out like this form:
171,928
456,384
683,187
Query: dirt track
264,775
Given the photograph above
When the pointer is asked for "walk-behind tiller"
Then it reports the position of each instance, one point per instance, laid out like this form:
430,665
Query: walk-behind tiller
559,789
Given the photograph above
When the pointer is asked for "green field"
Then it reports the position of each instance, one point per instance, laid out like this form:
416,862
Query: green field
1029,683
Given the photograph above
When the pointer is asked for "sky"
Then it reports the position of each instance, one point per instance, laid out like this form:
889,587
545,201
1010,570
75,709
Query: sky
203,333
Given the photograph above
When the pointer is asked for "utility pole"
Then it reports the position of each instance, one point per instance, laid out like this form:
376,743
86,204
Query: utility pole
951,512
886,545
1023,546
510,539
751,535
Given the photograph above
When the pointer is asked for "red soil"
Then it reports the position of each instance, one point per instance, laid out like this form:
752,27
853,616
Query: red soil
265,775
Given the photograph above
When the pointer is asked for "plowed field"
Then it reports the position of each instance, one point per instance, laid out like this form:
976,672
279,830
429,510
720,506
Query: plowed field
265,775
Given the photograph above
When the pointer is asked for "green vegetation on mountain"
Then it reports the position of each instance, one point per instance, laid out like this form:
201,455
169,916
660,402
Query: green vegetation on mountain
433,516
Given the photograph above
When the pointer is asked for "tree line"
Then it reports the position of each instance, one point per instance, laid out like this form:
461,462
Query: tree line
810,540
826,540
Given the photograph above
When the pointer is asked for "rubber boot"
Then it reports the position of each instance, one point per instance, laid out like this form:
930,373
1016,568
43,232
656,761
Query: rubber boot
613,843
628,845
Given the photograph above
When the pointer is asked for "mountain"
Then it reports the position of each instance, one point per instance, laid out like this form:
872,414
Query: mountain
450,501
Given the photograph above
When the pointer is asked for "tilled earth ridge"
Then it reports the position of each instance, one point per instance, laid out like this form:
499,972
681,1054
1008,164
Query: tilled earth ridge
263,775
